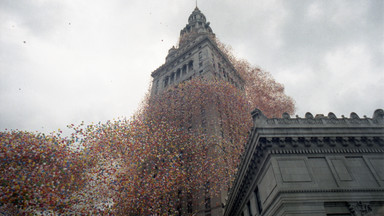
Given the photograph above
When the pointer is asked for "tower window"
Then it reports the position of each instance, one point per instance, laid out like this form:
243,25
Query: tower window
165,82
184,69
178,74
156,86
190,66
189,203
172,78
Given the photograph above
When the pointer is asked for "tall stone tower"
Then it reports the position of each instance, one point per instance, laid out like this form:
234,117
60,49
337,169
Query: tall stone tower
197,56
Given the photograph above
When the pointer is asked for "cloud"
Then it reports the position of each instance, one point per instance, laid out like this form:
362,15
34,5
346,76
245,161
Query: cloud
39,17
67,61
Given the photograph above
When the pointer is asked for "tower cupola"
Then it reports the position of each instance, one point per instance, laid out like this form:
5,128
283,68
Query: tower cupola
197,26
196,16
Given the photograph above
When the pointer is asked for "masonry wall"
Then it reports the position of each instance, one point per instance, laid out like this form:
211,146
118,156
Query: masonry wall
320,165
308,185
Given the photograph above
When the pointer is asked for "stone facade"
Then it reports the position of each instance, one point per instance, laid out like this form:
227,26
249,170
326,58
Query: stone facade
196,56
320,165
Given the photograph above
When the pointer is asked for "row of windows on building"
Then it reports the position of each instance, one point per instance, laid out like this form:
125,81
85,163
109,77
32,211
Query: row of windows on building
168,80
186,68
222,73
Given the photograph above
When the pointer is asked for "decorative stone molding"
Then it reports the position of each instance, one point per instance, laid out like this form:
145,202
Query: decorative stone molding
360,209
333,190
320,119
320,142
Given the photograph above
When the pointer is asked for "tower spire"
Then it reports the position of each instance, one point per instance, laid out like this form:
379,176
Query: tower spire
196,3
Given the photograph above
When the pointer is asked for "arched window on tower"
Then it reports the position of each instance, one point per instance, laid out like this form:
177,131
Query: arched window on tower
166,81
178,74
184,70
172,78
190,66
156,86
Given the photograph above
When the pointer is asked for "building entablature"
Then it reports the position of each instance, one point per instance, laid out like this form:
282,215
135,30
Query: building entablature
180,53
183,52
198,59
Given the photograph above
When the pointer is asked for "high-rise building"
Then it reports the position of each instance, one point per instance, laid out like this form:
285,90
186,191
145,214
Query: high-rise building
197,56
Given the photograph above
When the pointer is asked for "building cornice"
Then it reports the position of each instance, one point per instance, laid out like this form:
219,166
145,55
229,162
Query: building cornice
182,51
318,121
188,48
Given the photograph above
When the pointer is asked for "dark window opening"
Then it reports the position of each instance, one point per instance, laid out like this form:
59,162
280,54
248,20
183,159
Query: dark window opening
178,74
189,203
184,70
190,66
172,78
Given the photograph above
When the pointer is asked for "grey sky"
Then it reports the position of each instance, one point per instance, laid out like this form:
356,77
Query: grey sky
62,62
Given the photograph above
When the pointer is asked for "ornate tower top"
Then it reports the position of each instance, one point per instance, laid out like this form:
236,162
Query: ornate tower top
196,16
197,26
197,55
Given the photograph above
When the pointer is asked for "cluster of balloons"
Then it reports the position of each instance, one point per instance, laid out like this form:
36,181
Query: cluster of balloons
180,141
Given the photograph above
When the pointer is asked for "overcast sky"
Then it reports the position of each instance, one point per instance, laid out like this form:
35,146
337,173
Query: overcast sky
64,62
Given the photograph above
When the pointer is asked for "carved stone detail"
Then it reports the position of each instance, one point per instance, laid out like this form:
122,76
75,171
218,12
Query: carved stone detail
286,116
360,209
308,115
320,119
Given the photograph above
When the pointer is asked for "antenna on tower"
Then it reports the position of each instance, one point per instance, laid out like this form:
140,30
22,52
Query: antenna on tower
196,3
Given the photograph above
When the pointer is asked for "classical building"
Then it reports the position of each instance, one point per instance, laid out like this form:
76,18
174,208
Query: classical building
320,165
